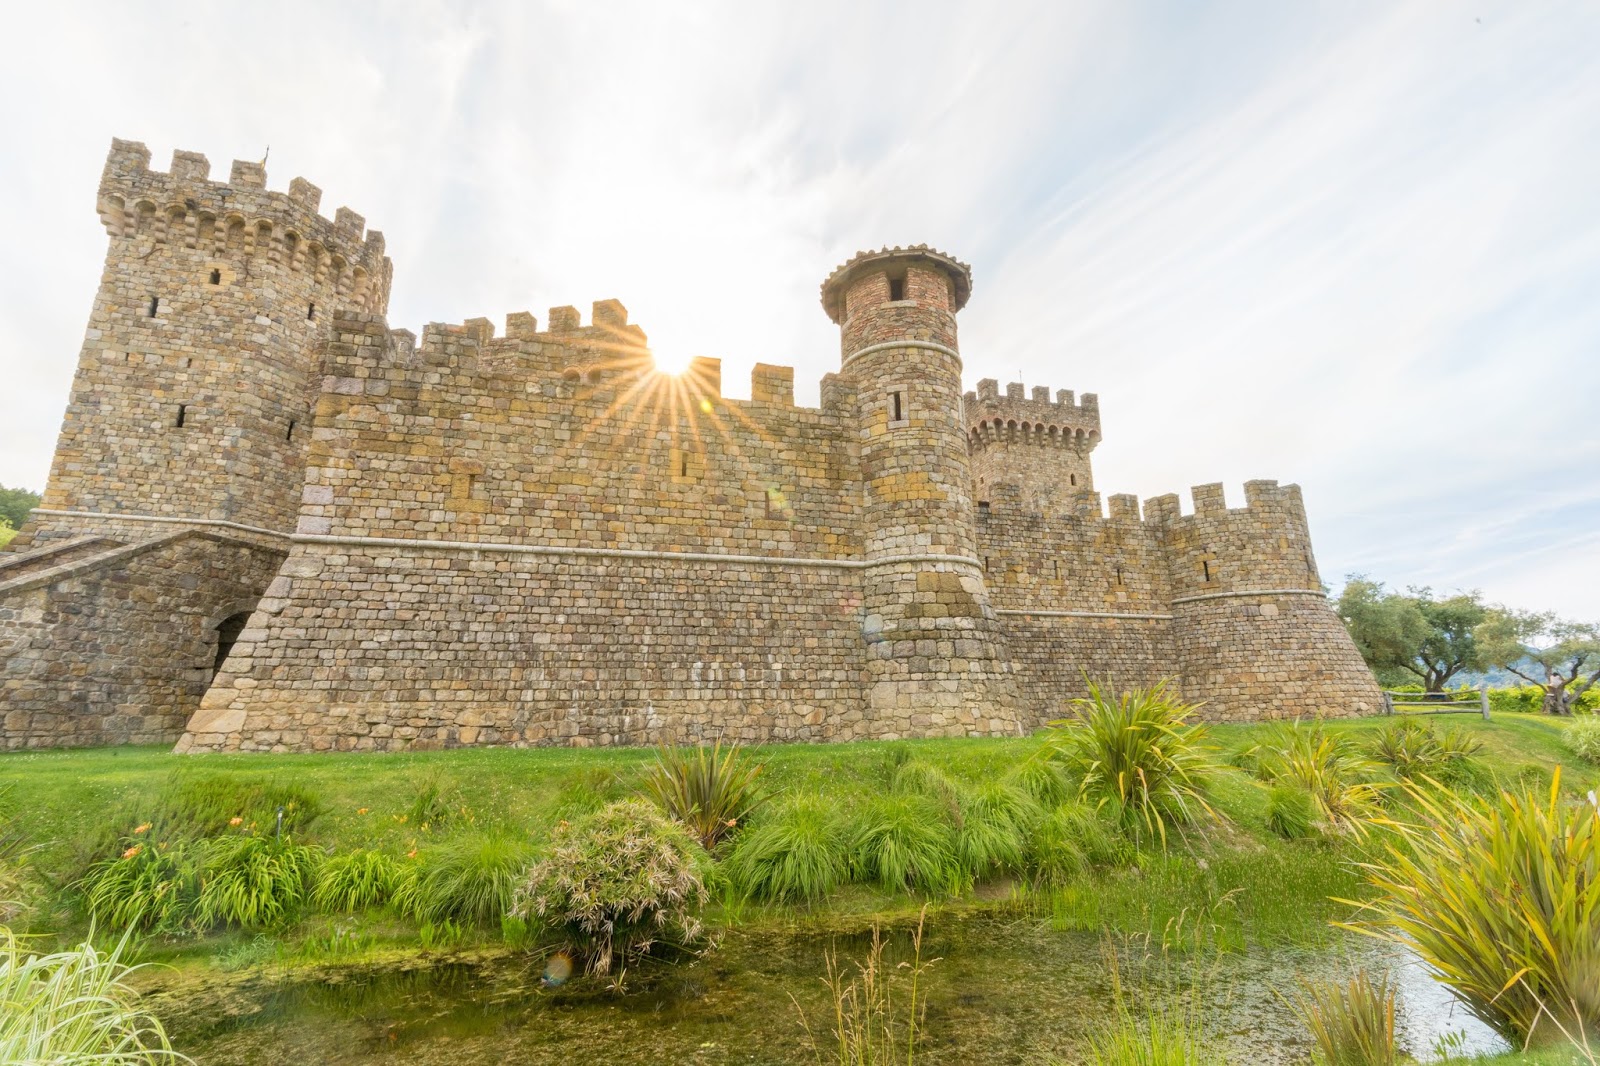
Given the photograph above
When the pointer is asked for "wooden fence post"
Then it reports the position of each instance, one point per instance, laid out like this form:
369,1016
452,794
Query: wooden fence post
1388,704
1483,697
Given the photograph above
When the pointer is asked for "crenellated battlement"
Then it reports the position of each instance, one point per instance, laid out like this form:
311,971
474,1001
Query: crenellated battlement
1038,419
242,219
1265,498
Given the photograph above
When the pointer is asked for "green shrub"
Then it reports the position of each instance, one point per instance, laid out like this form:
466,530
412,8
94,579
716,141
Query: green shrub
355,881
902,840
1583,737
1501,897
149,885
1070,840
795,852
471,880
1336,777
616,882
1042,778
74,1006
255,882
1138,756
1352,1022
1291,812
1413,747
996,820
708,790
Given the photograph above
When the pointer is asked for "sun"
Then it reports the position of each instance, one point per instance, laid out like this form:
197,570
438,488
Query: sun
671,361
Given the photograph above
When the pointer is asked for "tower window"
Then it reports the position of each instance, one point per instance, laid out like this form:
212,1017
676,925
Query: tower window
288,434
1074,478
1119,575
983,507
216,277
1205,568
155,305
897,289
897,407
183,413
683,464
311,312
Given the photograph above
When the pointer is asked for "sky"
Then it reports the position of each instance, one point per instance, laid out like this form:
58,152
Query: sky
1350,245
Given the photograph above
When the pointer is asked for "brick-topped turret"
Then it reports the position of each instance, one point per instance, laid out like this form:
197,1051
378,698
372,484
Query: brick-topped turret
1039,446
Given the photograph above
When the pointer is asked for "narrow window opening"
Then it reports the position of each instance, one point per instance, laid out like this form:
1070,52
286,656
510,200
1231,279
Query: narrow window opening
183,411
683,465
1074,478
1119,575
288,434
1205,566
216,277
897,410
1058,569
897,289
155,305
311,312
983,507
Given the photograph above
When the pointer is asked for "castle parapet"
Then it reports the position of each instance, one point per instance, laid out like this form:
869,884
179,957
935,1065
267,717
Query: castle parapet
241,217
1014,417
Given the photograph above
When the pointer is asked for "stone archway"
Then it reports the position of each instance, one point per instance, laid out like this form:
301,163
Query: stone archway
228,631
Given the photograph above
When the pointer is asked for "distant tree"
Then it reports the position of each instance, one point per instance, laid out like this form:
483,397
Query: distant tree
15,505
1560,657
7,533
1413,636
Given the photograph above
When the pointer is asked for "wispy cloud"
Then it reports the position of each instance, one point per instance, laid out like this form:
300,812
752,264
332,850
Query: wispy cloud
1354,247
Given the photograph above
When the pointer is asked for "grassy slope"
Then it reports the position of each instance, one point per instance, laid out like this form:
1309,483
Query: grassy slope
1246,883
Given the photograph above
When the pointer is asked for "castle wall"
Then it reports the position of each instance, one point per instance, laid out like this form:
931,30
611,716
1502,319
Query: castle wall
119,646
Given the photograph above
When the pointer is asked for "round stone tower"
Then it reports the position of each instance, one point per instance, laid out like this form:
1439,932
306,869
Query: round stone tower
937,661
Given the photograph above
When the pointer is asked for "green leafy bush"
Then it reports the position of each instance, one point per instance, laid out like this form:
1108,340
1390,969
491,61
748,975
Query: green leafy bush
904,840
74,1006
148,885
255,882
1351,1022
796,851
707,789
1070,840
355,881
995,821
470,880
1291,812
1501,897
1138,756
1583,737
616,882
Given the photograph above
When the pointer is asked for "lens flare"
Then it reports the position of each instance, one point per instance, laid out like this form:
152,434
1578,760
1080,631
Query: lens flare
557,970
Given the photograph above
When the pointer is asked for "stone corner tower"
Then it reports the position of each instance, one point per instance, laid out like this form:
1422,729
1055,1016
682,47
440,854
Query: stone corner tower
937,662
193,395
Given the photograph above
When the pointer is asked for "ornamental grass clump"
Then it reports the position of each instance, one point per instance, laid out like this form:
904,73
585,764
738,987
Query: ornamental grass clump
796,851
254,882
1337,778
994,823
74,1006
148,885
904,841
1351,1022
1069,841
1291,812
1138,756
471,880
1501,897
616,882
707,789
355,881
1583,737
1414,748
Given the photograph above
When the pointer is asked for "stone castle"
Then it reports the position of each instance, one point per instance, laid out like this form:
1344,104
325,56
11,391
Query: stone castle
275,523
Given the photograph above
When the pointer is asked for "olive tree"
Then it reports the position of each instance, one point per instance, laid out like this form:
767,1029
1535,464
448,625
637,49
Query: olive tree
1412,635
1559,656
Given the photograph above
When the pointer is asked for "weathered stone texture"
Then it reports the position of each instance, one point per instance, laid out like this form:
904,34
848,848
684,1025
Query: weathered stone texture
535,538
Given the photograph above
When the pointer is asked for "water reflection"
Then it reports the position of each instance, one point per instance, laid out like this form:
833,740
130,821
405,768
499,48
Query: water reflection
1004,991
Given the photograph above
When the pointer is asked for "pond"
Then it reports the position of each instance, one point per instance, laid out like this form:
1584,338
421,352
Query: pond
1004,990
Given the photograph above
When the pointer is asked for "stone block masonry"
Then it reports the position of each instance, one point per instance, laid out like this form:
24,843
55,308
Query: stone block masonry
276,524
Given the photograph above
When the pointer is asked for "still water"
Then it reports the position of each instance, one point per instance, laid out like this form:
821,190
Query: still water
1004,990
